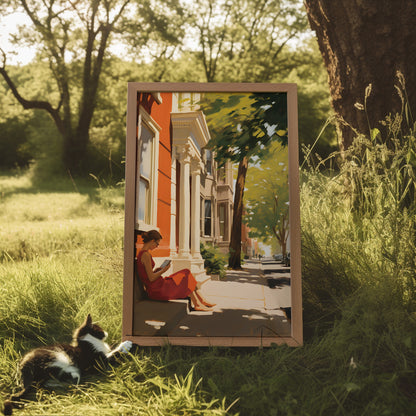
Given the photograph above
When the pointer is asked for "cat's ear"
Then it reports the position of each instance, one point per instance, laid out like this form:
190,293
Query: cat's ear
88,321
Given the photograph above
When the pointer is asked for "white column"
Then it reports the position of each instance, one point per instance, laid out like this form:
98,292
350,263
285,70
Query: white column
195,208
174,210
184,204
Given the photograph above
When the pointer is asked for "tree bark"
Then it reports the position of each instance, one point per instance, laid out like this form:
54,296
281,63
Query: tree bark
362,43
234,260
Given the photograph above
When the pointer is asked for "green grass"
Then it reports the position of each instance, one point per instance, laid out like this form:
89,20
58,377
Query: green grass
61,258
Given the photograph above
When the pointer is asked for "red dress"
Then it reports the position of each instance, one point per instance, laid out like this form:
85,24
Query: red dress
178,285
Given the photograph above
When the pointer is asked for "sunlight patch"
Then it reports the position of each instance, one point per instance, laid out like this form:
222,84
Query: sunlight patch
253,317
155,324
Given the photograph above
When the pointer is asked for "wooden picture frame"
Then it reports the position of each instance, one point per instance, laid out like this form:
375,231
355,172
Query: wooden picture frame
162,121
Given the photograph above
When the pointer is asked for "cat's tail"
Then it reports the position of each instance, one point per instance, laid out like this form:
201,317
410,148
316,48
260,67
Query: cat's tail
8,408
13,403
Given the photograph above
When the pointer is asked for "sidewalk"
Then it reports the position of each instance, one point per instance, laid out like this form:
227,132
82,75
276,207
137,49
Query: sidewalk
246,306
249,303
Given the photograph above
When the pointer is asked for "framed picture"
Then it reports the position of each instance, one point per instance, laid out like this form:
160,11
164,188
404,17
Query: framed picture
212,178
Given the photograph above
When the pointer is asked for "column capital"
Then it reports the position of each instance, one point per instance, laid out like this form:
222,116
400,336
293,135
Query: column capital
185,153
196,166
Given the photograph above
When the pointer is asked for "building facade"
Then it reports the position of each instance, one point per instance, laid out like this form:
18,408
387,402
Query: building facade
180,190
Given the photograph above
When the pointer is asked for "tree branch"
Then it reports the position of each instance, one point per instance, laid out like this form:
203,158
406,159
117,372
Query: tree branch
30,104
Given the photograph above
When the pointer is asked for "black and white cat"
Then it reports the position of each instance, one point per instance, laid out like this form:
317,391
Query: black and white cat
65,362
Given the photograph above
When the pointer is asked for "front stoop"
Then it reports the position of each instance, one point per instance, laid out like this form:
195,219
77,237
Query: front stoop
195,265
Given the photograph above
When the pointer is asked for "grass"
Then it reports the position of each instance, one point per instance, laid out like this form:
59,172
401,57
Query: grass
61,258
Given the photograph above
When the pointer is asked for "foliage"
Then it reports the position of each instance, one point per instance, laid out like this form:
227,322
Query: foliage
73,39
28,136
214,260
153,34
267,197
13,138
242,125
244,40
42,141
152,43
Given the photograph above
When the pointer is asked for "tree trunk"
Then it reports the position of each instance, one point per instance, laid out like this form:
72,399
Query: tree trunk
362,43
234,261
74,151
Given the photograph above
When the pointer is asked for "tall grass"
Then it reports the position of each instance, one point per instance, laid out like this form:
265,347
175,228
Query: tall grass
358,253
359,222
60,259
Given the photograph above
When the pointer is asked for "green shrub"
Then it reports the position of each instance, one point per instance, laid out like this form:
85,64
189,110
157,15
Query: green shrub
15,150
214,260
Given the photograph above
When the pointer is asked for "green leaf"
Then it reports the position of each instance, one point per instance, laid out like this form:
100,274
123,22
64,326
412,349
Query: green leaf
411,157
352,387
408,342
374,134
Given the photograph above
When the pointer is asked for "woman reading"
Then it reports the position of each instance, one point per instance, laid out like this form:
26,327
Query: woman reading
179,285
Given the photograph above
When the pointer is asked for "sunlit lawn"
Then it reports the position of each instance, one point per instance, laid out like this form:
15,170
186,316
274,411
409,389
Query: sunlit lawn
61,257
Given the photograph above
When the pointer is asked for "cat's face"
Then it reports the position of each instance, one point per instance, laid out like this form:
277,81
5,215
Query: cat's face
92,329
97,332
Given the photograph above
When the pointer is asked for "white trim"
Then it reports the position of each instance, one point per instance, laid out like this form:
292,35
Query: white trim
142,226
173,205
187,123
157,97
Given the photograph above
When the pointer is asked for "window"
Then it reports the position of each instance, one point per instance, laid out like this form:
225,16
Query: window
208,161
221,175
145,181
222,219
147,171
207,217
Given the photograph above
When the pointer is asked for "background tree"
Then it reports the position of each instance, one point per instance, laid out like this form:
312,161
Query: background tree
246,40
267,197
364,43
153,36
73,38
68,32
317,135
241,126
29,138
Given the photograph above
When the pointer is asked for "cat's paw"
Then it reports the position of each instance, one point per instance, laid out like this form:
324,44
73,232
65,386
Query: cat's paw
125,346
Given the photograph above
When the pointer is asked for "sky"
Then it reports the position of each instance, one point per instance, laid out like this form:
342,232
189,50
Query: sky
8,25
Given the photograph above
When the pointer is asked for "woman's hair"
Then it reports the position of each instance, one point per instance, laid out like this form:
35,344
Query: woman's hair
151,235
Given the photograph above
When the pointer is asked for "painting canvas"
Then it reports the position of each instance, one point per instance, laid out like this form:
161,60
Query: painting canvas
213,168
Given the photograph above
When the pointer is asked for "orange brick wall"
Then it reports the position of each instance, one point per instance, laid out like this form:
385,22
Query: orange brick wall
160,113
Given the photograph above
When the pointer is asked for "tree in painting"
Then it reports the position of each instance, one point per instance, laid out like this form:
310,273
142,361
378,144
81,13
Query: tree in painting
242,125
267,198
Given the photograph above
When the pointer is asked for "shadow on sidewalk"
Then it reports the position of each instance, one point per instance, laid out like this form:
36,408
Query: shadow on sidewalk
234,323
